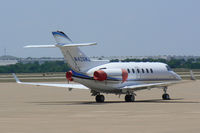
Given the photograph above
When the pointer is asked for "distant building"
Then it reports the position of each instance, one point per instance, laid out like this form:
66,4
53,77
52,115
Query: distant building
166,57
39,60
8,60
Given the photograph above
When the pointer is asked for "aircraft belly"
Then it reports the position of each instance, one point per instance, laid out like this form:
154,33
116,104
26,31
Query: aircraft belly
103,85
111,86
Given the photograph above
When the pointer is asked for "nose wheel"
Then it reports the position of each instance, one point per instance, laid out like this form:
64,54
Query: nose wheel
165,96
129,98
100,98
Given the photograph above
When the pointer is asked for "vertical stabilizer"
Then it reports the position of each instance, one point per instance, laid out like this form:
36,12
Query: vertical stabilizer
61,37
74,57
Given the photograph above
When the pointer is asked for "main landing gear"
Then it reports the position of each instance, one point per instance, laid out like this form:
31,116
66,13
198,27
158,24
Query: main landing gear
165,96
100,98
129,98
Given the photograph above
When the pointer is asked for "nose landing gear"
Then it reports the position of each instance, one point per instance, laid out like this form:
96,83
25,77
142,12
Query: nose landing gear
165,96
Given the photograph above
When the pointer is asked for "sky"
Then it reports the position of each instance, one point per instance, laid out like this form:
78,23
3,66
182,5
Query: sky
120,27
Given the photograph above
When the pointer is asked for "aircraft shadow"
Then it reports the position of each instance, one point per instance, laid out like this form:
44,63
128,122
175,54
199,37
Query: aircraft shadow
172,101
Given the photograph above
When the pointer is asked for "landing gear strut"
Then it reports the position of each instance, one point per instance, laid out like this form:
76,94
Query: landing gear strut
100,98
165,96
129,98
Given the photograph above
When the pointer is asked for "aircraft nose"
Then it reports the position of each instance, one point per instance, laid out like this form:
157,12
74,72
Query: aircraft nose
177,76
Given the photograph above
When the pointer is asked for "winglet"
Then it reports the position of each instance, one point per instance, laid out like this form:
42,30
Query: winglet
16,78
192,77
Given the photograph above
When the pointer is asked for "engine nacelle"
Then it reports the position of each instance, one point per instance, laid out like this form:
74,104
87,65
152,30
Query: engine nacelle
100,75
69,75
103,74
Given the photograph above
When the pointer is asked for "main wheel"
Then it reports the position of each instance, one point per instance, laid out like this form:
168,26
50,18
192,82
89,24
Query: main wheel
129,98
166,97
100,98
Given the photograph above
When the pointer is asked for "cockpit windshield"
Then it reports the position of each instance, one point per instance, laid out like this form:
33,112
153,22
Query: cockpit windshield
168,68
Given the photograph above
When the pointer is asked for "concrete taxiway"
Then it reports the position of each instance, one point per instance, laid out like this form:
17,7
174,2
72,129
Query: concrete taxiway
36,109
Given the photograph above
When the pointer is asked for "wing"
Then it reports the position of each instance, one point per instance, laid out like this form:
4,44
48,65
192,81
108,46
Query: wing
149,86
70,86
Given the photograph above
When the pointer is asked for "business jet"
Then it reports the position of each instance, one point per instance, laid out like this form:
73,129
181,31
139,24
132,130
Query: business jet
102,76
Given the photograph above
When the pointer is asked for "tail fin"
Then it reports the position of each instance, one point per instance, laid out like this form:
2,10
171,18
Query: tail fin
74,57
61,37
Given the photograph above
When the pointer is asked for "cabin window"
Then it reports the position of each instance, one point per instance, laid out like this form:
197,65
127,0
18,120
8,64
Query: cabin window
151,70
133,70
138,70
168,68
147,70
128,70
142,70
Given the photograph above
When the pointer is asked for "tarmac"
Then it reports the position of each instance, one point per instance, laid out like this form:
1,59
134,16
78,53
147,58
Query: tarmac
37,109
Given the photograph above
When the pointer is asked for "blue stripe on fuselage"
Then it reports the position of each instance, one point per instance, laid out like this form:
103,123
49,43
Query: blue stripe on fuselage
76,74
79,74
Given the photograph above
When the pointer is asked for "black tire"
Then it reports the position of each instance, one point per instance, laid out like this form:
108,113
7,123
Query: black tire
129,98
166,97
132,98
100,98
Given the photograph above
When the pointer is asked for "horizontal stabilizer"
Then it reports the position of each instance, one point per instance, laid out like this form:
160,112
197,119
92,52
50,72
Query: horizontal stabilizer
60,45
40,46
77,44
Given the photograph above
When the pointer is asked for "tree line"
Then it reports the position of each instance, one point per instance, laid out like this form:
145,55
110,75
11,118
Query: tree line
173,63
60,66
51,66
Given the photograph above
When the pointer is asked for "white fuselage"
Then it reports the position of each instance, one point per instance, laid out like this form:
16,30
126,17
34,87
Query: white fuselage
100,76
138,73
